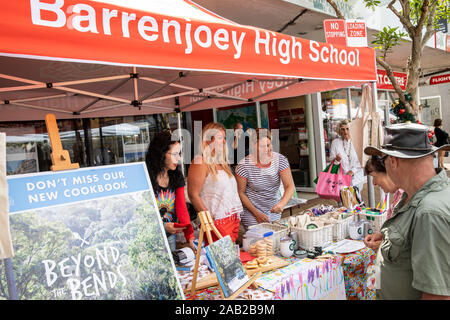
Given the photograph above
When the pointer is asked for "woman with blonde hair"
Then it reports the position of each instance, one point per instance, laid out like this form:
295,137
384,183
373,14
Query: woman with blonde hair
259,176
211,184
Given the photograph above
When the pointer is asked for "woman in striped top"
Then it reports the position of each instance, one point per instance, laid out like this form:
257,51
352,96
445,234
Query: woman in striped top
258,177
211,184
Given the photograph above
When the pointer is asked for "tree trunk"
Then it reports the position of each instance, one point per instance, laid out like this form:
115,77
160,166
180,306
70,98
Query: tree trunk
413,70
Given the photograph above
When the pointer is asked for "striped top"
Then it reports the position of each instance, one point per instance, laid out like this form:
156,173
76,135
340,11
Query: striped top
263,184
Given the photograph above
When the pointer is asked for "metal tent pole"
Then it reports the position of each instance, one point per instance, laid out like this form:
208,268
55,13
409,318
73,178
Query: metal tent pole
258,114
180,133
371,189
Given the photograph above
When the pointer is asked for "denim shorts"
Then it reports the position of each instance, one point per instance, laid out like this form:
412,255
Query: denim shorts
172,239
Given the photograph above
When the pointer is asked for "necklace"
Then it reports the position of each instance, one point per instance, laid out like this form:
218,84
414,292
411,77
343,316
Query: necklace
347,150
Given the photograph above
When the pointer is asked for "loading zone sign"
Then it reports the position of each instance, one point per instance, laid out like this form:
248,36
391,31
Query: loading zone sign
356,33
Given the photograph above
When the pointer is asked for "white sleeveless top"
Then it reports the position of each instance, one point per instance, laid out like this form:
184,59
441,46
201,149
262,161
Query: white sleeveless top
221,196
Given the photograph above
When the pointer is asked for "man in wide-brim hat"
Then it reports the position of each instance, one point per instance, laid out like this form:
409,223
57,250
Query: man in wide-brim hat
413,260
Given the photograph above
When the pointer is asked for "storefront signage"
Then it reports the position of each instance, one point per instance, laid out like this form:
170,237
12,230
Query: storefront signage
384,83
91,233
356,33
440,79
335,31
442,25
351,33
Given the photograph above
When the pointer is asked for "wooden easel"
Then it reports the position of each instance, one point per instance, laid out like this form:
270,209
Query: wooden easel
60,157
206,226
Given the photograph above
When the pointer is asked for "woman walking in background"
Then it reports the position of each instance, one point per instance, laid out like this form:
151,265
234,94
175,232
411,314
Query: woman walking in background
162,160
258,176
441,139
211,184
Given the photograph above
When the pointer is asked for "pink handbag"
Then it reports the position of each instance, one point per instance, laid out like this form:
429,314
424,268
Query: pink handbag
329,184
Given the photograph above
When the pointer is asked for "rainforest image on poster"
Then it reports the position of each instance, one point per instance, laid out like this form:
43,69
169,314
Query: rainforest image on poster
107,248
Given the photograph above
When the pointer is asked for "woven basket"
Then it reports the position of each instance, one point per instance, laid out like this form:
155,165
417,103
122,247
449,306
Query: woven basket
340,229
376,220
310,238
278,233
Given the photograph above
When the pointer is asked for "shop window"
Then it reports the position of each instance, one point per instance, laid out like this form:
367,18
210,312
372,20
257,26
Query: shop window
335,109
28,146
90,142
288,115
355,101
431,110
246,115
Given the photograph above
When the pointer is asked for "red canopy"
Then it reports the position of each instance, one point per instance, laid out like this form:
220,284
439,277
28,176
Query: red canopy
92,58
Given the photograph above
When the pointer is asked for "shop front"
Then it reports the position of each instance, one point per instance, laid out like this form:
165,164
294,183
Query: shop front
90,141
292,117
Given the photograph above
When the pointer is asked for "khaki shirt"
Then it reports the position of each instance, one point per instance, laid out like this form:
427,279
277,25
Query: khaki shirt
414,255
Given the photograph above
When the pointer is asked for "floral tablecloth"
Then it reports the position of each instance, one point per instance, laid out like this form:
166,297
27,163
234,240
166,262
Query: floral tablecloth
359,274
302,279
213,293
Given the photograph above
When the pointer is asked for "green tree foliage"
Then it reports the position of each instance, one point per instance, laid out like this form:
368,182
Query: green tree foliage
400,110
387,39
128,223
148,253
34,240
419,19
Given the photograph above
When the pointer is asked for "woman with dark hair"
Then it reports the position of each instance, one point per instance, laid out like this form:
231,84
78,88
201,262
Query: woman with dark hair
375,167
441,139
162,160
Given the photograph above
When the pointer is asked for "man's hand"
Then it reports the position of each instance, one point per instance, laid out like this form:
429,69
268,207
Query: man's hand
373,241
350,173
338,157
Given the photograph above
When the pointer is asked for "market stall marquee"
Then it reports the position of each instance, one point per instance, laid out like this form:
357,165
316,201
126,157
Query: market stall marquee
122,58
91,233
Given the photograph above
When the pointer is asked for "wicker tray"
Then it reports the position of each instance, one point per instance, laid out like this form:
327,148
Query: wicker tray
340,229
376,220
310,238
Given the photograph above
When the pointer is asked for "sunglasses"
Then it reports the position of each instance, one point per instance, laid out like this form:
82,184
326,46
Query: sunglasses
174,154
380,159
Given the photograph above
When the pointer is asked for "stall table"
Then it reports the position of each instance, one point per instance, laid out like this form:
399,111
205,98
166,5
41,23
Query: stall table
359,274
358,278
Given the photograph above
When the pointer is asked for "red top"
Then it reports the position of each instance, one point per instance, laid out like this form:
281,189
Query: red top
183,213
